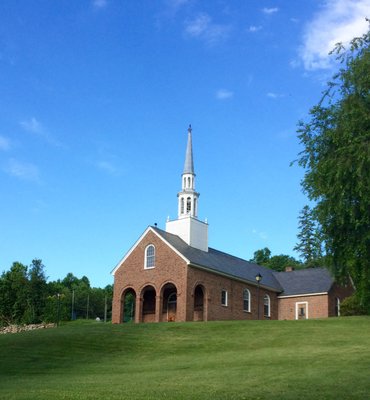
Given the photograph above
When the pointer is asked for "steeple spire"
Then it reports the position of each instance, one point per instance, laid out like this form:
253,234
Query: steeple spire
189,164
187,226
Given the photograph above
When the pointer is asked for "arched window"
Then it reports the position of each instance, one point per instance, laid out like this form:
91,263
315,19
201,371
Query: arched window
182,205
184,183
188,205
266,306
195,206
337,307
189,182
149,257
246,300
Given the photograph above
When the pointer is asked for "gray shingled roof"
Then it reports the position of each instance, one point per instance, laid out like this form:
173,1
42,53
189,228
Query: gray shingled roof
305,281
223,263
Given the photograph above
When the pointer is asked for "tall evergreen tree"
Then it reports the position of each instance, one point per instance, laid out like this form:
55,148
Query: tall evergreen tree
37,290
309,244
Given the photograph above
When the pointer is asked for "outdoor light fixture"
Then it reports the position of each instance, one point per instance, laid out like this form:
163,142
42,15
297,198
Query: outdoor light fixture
258,279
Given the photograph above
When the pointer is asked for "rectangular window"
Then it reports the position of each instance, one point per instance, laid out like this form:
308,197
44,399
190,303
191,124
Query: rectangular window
224,297
246,300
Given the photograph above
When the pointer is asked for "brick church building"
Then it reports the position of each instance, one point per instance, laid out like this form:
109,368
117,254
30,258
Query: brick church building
172,275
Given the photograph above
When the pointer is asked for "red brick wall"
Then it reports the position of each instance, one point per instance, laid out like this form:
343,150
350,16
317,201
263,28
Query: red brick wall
214,310
317,306
170,267
321,306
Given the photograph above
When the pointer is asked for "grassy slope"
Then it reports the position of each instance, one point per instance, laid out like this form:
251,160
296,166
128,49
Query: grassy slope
316,359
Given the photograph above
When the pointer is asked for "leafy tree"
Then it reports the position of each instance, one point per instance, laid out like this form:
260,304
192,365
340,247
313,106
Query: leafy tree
281,261
37,290
336,159
277,263
309,245
14,299
262,256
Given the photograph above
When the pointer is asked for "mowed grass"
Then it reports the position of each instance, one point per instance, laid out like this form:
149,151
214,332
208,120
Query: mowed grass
314,359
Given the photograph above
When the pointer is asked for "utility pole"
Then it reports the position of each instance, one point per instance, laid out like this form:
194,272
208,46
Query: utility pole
258,279
105,308
87,306
58,310
73,305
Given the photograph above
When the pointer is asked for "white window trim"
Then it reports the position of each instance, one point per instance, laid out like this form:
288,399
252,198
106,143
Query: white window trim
249,300
226,298
297,304
269,304
146,257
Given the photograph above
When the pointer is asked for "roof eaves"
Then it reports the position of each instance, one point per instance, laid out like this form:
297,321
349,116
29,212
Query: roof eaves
282,296
234,277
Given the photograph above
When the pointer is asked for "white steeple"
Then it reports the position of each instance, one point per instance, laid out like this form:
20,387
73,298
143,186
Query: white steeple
188,197
187,226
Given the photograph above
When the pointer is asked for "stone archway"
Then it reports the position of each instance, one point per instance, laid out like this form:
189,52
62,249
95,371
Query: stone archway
169,302
148,296
199,307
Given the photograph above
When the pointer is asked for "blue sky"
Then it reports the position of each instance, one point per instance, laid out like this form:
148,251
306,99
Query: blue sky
95,100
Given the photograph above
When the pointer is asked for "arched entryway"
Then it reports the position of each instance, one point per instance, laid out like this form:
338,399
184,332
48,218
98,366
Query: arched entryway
128,305
199,309
169,302
148,296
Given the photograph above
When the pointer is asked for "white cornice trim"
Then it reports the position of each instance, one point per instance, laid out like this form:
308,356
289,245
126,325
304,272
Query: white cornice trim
303,295
147,230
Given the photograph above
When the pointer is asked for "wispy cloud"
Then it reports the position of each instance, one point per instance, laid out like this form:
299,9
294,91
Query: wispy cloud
98,4
4,143
337,21
22,170
254,28
270,11
260,234
273,95
176,4
108,167
33,126
224,94
202,27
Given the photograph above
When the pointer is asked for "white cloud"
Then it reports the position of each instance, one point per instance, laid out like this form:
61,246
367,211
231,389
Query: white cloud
4,143
337,21
35,127
176,4
32,125
108,167
271,10
99,3
253,28
24,171
223,94
273,95
260,234
203,28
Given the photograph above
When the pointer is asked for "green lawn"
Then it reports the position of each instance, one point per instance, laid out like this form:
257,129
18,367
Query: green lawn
315,359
